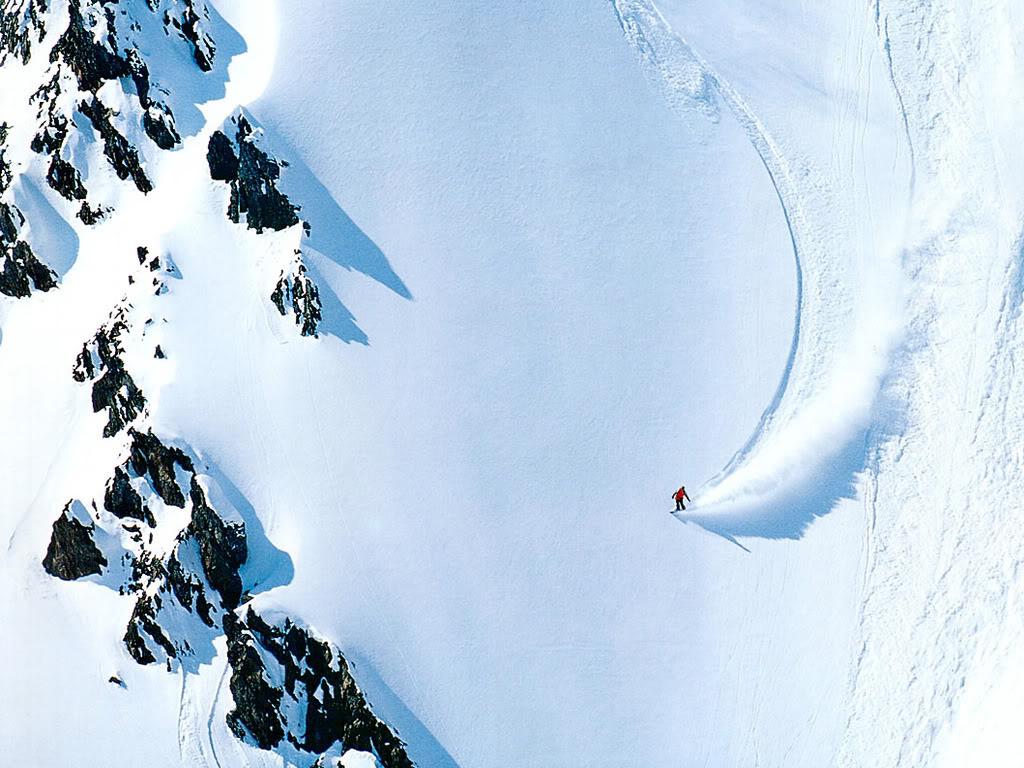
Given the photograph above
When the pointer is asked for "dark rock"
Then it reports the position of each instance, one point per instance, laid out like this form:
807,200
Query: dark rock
159,353
327,704
123,501
90,215
221,158
92,62
64,178
256,715
117,392
222,548
188,590
22,270
84,368
157,119
151,458
158,123
51,136
143,621
114,391
203,49
10,224
72,552
297,292
121,155
254,189
20,24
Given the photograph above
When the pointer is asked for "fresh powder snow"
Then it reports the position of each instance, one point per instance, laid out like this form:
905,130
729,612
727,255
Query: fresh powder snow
351,352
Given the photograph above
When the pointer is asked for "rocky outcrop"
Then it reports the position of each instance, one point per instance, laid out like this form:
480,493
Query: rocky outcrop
157,119
158,464
123,501
252,175
289,684
21,25
93,61
257,713
190,21
64,179
297,293
222,547
100,45
197,579
123,157
72,552
182,592
20,271
114,390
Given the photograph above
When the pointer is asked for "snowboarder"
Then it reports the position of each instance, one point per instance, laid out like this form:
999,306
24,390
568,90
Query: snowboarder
679,496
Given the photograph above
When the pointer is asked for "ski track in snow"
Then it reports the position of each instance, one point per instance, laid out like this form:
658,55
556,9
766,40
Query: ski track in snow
944,551
815,412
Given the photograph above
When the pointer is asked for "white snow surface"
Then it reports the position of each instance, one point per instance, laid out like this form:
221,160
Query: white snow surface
769,249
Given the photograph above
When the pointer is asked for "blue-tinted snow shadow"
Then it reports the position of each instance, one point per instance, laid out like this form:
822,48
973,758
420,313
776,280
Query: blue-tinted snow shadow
52,238
424,749
177,79
332,234
336,319
788,513
266,566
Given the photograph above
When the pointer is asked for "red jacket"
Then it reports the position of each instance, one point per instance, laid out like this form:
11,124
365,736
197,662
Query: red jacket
681,494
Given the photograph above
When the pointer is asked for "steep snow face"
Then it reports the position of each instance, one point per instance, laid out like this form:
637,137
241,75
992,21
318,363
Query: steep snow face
602,297
360,348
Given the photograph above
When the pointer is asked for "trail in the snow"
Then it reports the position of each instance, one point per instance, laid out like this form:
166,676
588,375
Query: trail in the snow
882,30
827,389
190,744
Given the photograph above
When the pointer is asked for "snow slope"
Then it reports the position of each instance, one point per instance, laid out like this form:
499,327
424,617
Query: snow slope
567,260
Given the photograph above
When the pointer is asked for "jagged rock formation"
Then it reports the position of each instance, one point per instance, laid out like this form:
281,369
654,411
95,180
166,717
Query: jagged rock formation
102,362
102,359
123,157
287,683
189,21
157,119
72,552
252,175
20,270
98,45
21,25
182,592
297,293
204,560
176,544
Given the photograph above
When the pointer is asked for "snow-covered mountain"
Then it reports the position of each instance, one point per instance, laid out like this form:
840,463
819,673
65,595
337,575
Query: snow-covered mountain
350,353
